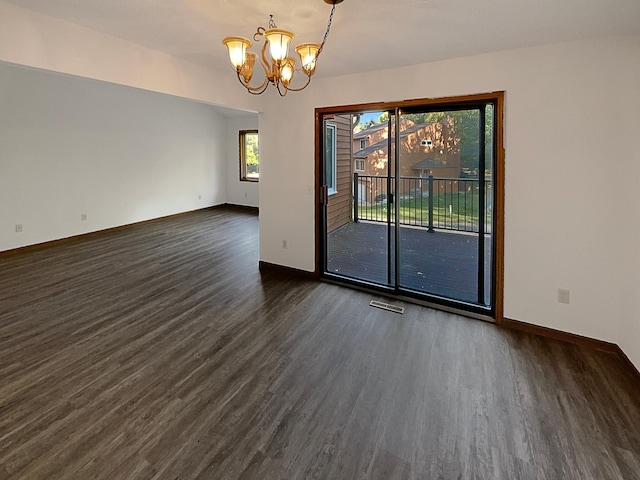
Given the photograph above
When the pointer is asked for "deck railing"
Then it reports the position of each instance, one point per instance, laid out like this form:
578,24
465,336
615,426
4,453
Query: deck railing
430,202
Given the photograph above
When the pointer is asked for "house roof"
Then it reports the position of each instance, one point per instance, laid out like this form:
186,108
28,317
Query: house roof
383,143
369,131
426,163
370,149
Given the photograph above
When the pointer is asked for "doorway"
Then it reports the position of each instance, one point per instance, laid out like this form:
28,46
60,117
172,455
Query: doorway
417,213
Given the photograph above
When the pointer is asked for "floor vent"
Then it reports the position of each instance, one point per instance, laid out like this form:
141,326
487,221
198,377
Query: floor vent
386,306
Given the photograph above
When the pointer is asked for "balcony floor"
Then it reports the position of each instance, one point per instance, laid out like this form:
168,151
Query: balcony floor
441,263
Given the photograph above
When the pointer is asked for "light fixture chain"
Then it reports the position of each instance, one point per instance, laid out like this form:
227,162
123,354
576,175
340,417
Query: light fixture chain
272,23
326,34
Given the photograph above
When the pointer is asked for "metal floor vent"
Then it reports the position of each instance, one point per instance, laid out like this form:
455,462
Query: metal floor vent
386,306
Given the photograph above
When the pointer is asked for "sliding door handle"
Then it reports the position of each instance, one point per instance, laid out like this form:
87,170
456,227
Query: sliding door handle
324,195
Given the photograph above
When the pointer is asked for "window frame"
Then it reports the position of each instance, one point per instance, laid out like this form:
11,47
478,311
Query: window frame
333,187
242,144
355,166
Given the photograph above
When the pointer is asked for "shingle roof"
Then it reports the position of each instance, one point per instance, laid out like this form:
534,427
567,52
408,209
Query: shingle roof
370,149
369,131
383,143
426,163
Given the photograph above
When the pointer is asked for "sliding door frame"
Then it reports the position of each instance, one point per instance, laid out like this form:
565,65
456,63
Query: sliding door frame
498,184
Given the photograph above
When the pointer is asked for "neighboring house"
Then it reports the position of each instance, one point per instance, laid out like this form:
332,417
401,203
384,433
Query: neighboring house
339,176
425,149
369,136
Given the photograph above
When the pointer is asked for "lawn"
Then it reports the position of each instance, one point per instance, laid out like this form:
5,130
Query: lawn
455,211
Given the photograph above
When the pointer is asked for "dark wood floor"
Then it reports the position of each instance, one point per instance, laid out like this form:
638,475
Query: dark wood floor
160,351
441,263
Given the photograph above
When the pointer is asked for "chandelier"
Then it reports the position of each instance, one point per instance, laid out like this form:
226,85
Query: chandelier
280,67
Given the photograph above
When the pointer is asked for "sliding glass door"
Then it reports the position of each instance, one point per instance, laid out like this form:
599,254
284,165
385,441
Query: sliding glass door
360,251
444,204
412,213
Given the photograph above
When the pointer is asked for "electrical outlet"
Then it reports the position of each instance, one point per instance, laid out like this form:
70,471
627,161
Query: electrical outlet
83,216
18,228
563,295
284,244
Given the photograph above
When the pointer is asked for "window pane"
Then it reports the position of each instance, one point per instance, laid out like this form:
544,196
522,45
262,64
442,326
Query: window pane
330,157
249,155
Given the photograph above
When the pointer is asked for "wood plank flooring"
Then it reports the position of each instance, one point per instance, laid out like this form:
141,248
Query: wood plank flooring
160,351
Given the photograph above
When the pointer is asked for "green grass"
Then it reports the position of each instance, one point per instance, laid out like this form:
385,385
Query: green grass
416,211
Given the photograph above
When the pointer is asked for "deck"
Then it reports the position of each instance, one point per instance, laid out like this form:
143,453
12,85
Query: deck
442,263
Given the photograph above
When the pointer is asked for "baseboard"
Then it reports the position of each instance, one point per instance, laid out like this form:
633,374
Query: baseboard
573,338
239,207
560,335
628,361
273,267
74,238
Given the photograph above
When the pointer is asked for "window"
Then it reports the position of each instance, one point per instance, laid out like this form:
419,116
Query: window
249,156
363,143
330,159
360,165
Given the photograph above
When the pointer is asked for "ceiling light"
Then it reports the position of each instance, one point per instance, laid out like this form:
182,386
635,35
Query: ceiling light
279,69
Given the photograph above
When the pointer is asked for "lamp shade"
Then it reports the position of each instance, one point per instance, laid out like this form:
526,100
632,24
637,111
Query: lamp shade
308,55
278,43
237,47
286,71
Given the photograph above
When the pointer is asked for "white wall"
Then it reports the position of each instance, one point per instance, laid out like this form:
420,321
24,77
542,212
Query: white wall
71,146
239,193
571,203
32,39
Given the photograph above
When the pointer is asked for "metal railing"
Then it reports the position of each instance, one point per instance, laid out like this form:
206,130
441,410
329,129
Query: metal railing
430,202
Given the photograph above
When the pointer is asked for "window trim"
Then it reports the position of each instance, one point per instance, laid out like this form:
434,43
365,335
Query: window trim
242,134
355,166
333,189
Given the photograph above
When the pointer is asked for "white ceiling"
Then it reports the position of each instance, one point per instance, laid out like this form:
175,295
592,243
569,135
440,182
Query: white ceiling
366,34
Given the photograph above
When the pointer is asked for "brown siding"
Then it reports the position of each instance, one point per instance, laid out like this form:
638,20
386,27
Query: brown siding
340,204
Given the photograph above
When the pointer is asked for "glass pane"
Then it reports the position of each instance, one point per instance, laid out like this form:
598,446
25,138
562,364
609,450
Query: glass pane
439,205
489,128
250,155
356,216
330,156
434,196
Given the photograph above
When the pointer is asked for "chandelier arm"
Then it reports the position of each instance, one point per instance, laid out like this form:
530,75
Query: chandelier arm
259,33
253,90
289,89
286,90
266,65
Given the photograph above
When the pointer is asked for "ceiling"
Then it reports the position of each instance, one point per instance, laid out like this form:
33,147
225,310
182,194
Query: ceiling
366,34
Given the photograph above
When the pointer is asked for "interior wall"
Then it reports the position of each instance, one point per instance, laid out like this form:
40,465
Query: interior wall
239,192
627,202
31,39
71,147
568,204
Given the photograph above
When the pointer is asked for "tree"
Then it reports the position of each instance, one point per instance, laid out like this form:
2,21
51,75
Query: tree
466,126
252,152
